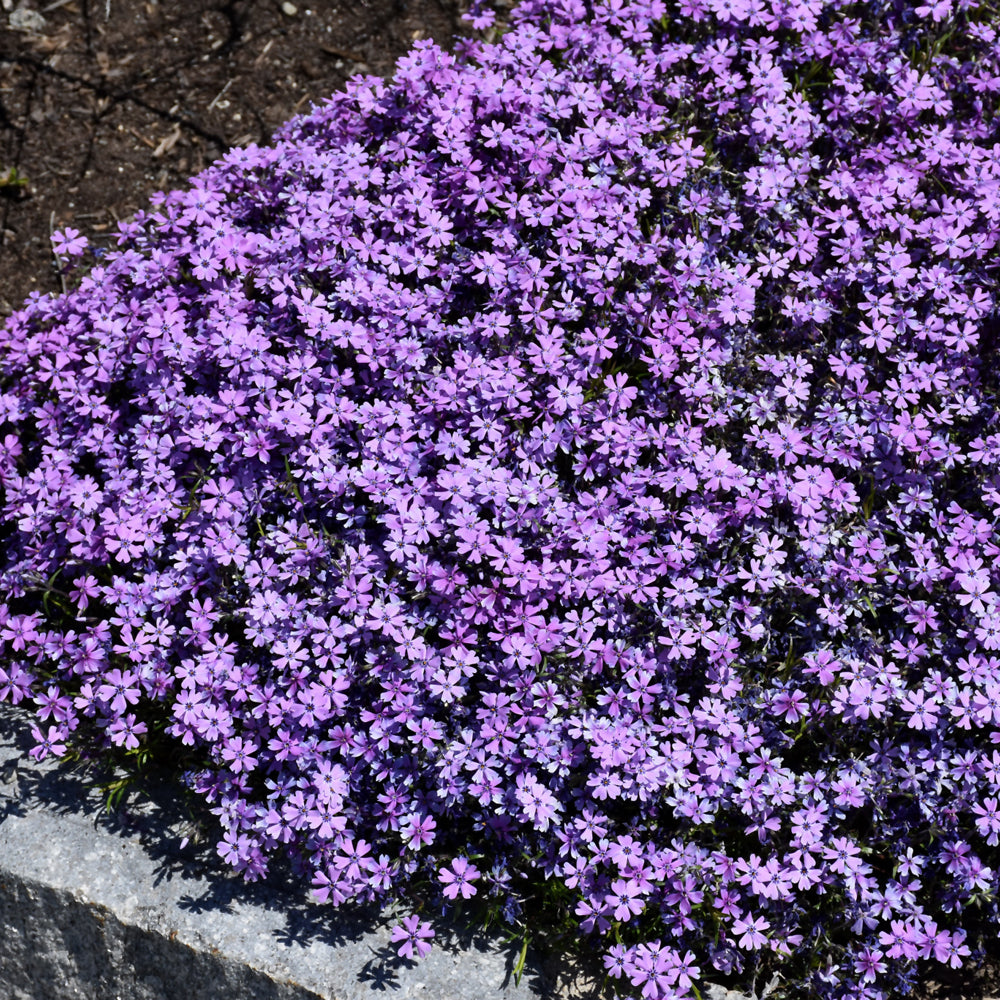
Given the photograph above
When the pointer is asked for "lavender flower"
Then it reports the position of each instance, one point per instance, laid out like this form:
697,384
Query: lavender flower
581,453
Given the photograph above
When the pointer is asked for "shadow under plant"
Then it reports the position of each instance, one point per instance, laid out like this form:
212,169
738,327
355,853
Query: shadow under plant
150,868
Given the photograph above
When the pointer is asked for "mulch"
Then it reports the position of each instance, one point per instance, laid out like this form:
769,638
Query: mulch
105,102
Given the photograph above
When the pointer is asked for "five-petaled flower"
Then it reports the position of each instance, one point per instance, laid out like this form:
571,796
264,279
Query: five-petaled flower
458,879
414,935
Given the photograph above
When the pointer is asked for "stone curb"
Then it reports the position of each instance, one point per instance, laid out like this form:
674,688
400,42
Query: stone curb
94,908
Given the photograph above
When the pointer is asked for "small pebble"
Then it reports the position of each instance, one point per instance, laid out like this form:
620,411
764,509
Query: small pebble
23,19
289,8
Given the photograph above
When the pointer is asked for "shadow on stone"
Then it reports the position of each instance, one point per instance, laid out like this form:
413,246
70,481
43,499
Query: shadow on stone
114,899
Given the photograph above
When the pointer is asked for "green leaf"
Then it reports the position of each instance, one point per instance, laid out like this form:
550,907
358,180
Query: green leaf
114,792
869,502
12,179
519,964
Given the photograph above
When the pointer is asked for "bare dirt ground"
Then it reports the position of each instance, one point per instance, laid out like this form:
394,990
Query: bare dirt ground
104,102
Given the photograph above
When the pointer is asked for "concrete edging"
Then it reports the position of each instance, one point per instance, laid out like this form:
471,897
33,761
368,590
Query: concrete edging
94,909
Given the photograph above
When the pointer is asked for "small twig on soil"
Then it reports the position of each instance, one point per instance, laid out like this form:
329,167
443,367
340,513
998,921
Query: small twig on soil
167,143
218,96
102,91
142,138
52,229
342,54
263,53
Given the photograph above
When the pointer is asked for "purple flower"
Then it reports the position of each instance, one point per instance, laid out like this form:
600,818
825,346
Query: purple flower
843,855
126,730
120,689
437,471
68,242
52,742
538,804
458,879
413,933
419,830
869,964
625,899
240,754
751,932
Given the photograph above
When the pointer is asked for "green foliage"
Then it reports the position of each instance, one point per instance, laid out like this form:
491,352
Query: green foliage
13,184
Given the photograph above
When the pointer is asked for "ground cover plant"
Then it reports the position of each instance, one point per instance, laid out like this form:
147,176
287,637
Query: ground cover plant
564,475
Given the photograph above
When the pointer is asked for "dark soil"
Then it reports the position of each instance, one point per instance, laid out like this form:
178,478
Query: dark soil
104,102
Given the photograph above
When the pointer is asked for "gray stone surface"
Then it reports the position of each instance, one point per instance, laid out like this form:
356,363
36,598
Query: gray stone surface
97,907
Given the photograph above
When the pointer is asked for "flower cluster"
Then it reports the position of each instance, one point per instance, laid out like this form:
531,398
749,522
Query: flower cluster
579,457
